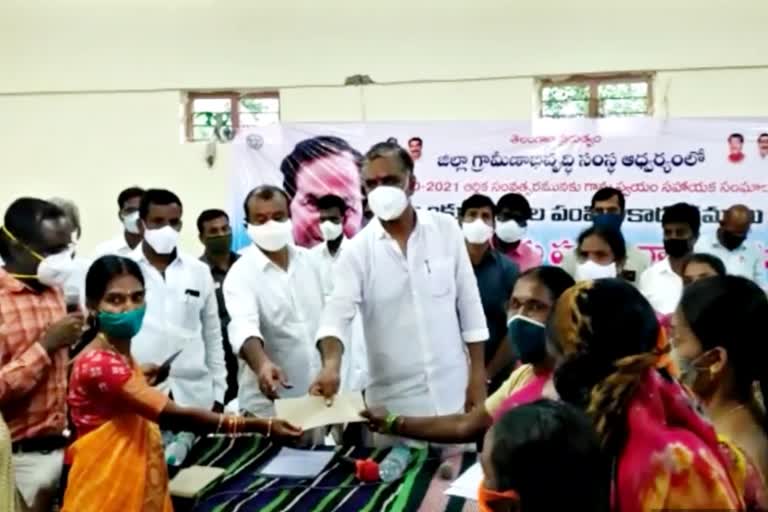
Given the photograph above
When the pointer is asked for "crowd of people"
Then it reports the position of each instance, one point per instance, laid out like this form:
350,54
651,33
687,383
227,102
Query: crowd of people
605,383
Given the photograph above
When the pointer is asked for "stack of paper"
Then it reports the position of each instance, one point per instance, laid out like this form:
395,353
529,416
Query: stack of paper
293,463
190,481
467,484
310,411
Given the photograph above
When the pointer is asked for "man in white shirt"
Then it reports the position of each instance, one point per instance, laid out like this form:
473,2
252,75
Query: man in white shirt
128,212
662,283
274,295
182,314
410,276
608,208
730,244
332,210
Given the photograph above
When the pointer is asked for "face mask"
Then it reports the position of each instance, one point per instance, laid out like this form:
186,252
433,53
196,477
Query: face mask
330,230
131,223
528,339
218,244
608,220
486,496
272,235
387,202
56,269
477,232
121,326
676,247
589,270
690,371
162,240
510,231
731,241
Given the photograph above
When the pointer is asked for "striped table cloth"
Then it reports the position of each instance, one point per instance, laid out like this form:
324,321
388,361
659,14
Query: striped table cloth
242,489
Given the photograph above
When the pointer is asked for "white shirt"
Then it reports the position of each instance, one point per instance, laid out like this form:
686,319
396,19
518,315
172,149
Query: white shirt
662,287
182,314
116,246
746,260
417,310
76,280
354,364
283,309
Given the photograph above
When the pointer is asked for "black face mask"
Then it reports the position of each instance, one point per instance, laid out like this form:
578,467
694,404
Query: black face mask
731,241
677,247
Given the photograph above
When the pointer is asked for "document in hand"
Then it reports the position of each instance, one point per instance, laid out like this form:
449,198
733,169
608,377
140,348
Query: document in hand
311,411
466,485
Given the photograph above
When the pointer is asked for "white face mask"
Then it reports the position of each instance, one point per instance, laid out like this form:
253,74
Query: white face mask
589,270
131,223
330,230
477,232
510,231
55,270
387,202
163,240
272,235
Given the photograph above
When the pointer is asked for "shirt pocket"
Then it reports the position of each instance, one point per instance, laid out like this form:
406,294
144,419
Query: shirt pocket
191,307
440,276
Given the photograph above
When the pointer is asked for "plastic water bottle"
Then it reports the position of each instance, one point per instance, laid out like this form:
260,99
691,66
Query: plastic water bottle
394,464
179,448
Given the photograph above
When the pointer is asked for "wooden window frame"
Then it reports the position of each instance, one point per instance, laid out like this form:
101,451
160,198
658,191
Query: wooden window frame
593,81
234,107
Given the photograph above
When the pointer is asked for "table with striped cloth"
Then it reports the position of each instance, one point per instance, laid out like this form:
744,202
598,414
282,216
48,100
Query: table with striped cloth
336,489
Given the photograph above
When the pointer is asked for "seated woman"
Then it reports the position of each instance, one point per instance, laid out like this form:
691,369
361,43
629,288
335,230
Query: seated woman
700,266
533,296
721,357
601,253
664,454
117,459
543,457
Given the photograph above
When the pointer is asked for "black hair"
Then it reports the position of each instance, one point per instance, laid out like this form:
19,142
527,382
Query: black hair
477,201
526,441
266,193
516,203
209,215
606,193
683,213
555,279
710,260
331,201
610,236
738,136
158,197
387,149
100,274
309,150
705,305
416,139
128,194
22,219
606,334
762,135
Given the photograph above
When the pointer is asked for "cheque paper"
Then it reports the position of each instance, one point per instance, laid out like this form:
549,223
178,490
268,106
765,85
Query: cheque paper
466,485
311,411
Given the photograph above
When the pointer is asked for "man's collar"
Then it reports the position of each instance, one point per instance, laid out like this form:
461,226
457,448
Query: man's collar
262,262
423,218
233,256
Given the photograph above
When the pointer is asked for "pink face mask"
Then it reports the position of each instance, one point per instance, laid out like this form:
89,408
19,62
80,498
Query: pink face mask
336,175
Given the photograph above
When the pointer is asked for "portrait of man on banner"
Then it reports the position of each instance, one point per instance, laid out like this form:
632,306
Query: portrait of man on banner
320,166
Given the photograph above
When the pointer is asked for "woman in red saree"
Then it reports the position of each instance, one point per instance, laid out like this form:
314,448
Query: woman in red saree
117,462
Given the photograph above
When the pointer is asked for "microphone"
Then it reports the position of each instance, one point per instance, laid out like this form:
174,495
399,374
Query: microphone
72,299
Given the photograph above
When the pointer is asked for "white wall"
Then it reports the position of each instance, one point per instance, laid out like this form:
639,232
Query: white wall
90,92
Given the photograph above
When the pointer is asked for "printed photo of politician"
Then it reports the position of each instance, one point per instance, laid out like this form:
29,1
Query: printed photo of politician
735,148
762,145
320,166
415,145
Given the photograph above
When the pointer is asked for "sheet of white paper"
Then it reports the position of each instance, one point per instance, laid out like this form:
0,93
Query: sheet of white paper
293,463
466,485
311,411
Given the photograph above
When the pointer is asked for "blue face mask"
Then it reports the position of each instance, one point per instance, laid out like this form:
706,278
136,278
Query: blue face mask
608,220
528,339
121,326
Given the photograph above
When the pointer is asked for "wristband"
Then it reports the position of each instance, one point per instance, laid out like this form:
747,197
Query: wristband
390,422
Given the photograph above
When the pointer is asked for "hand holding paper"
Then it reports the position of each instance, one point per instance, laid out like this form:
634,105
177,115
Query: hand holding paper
311,411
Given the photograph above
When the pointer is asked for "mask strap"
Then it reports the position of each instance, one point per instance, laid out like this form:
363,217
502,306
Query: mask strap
25,246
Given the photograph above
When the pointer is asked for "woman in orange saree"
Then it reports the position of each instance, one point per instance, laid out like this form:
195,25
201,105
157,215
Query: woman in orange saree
117,462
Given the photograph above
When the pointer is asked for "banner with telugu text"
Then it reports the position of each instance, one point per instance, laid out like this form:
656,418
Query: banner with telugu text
556,164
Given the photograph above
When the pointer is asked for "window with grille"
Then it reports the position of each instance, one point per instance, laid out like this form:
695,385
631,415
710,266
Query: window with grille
628,96
219,115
